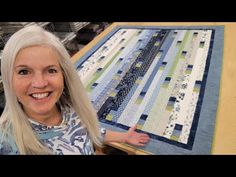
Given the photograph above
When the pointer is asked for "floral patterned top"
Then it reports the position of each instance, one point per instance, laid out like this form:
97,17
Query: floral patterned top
70,137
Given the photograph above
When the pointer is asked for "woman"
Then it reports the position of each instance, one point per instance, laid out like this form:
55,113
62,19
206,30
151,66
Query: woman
47,110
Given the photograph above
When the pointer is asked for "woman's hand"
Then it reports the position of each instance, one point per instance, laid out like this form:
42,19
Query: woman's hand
134,138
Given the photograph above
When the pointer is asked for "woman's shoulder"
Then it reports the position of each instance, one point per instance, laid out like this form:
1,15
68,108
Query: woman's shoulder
7,149
7,145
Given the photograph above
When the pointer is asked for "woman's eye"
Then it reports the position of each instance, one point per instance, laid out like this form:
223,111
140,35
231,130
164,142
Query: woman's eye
52,70
23,72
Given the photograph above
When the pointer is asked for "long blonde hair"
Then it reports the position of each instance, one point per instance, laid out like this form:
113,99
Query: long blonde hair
14,121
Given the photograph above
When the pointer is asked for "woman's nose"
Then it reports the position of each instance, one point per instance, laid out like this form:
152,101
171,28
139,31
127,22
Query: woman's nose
39,81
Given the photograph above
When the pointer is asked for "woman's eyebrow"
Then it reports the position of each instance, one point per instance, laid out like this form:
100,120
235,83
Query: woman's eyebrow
51,66
21,66
26,66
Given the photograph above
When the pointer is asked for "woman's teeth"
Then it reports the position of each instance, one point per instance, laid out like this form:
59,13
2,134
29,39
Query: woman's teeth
40,95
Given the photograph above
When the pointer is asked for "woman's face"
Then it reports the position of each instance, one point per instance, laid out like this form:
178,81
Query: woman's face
38,80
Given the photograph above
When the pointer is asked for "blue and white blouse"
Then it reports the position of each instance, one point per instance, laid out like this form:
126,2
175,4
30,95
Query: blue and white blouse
70,137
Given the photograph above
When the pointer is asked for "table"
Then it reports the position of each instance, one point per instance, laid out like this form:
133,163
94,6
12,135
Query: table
224,141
